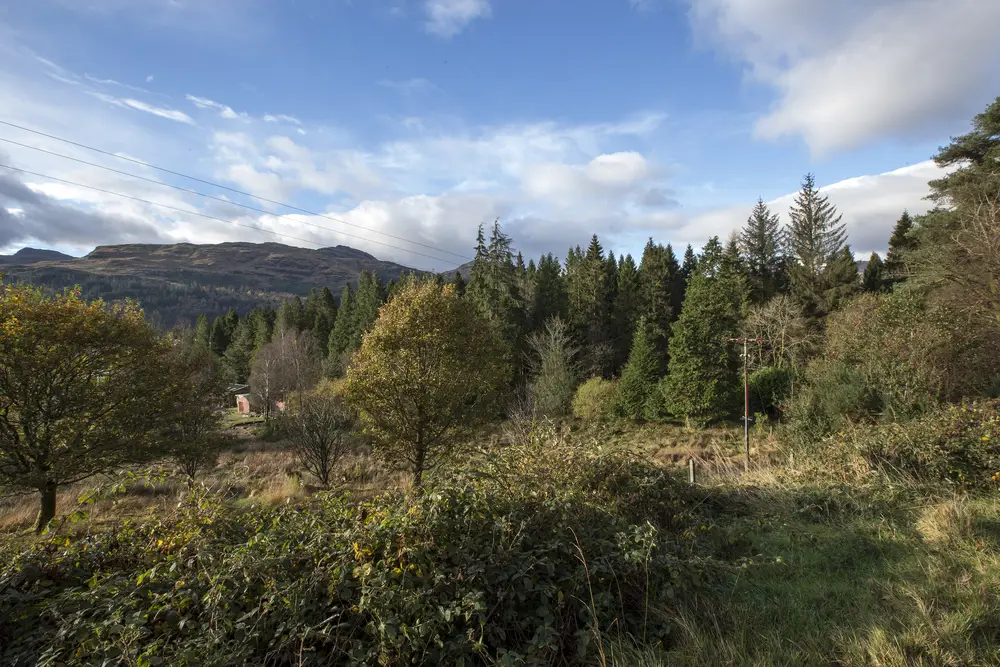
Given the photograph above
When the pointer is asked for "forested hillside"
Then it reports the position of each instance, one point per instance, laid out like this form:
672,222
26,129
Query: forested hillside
176,283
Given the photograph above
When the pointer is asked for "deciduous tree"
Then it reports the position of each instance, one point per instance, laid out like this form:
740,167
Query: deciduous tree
430,371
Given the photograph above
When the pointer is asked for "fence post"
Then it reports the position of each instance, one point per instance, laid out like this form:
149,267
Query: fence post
692,471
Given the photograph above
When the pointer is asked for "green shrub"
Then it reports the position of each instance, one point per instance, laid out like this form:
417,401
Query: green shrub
524,563
595,400
834,395
770,388
958,445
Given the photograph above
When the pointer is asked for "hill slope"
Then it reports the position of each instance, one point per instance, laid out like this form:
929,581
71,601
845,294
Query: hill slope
32,256
175,283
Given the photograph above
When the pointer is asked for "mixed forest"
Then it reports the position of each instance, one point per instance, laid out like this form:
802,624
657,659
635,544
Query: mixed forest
481,468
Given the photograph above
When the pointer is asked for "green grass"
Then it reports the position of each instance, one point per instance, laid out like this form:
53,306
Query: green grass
234,418
887,582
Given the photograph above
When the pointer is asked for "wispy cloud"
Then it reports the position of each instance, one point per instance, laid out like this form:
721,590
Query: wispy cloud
282,118
447,18
224,110
138,105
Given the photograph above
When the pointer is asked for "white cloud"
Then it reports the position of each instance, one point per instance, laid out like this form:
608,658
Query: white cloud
224,111
870,206
854,71
282,118
447,18
162,112
149,79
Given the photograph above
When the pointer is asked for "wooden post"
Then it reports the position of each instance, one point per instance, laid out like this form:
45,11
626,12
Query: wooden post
692,473
746,411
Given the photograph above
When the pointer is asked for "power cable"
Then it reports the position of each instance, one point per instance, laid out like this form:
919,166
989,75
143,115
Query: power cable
189,212
213,184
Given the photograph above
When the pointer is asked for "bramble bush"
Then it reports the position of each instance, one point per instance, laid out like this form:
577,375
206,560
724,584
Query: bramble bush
956,445
535,558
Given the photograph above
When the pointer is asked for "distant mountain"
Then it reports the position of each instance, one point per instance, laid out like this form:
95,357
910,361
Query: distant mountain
33,256
175,283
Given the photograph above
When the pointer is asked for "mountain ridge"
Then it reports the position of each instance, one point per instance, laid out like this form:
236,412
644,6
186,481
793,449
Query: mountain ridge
177,282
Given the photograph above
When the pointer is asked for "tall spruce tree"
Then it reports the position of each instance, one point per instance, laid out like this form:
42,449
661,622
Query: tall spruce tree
368,298
639,377
459,282
626,309
339,341
493,289
703,384
874,277
690,264
762,244
203,331
550,292
657,281
290,316
900,243
816,238
589,312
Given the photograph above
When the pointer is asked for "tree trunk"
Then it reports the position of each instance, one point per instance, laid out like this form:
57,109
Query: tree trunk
418,465
47,510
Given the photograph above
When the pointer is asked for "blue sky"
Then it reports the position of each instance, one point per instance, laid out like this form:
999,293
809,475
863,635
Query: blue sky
416,120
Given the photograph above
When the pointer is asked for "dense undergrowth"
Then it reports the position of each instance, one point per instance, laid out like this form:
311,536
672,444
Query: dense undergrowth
536,560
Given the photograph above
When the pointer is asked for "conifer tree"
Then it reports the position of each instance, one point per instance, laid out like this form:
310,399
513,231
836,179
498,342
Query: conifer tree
459,282
841,279
290,316
368,298
493,288
340,337
704,384
900,243
816,239
239,354
263,329
589,309
657,282
550,292
222,332
639,377
203,331
762,244
874,277
690,264
626,309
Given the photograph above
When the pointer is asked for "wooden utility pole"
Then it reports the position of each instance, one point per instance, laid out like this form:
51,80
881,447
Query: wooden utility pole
746,398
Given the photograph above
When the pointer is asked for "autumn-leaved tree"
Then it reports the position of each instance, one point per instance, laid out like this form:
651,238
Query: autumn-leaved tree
85,387
429,372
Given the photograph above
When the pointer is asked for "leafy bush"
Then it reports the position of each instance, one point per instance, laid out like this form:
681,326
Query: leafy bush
958,445
528,562
595,400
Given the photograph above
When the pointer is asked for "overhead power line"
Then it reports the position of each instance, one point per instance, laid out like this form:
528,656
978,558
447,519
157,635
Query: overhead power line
189,212
217,185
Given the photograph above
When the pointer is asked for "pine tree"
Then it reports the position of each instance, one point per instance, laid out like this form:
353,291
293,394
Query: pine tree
704,383
762,244
203,331
459,283
657,285
841,280
816,238
368,298
239,355
626,309
874,277
900,243
690,264
263,329
589,309
493,290
339,341
639,378
290,316
222,332
550,298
